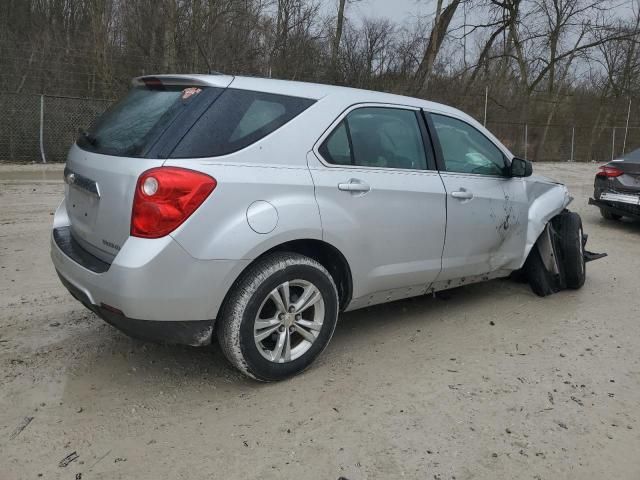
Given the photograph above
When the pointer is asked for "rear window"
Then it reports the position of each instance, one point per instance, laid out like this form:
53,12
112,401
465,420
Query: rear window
237,119
134,123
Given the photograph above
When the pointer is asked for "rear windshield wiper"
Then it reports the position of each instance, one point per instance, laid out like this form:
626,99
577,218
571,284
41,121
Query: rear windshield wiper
88,137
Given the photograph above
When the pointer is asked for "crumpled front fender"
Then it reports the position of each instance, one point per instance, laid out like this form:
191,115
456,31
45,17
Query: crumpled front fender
546,201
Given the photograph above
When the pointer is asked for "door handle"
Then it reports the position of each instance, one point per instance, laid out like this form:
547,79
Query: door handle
462,195
354,185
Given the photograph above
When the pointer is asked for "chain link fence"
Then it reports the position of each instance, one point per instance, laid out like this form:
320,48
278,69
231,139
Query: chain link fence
38,128
566,143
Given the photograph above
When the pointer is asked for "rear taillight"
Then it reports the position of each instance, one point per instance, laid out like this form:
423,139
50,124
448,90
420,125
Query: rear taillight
609,172
165,197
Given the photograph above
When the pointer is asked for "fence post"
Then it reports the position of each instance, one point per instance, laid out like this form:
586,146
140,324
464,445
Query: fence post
573,137
626,129
42,155
613,143
526,139
486,101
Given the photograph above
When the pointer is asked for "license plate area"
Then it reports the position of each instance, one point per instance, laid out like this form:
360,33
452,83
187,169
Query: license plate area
82,208
621,198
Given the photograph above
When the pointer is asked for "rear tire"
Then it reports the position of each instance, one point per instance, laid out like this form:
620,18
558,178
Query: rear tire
569,225
267,329
606,214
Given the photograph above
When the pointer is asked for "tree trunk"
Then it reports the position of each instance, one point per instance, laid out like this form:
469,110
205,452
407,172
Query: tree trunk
169,40
335,45
440,27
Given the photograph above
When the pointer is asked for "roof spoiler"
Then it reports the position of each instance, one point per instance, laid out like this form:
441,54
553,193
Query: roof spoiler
159,81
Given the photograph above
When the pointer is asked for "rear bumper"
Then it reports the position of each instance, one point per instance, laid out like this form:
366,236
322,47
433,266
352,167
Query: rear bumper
153,284
195,333
617,208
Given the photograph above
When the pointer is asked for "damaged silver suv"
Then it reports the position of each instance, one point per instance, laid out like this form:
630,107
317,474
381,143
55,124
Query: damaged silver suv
253,211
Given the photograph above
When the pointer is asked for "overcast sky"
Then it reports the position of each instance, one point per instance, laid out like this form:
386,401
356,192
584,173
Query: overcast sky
399,10
396,10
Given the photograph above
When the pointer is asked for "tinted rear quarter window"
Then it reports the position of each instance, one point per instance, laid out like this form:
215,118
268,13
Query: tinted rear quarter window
337,148
237,119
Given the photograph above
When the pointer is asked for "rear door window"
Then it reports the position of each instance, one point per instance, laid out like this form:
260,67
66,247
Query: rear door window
237,119
134,123
381,137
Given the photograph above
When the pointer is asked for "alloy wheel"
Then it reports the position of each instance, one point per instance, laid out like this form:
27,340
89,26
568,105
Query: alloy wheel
289,321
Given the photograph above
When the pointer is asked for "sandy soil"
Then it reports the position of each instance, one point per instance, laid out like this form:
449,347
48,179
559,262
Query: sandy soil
487,381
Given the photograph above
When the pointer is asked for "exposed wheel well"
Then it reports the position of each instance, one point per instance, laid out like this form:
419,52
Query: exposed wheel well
326,254
330,257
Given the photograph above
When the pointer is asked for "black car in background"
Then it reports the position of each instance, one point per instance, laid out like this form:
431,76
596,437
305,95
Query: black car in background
617,188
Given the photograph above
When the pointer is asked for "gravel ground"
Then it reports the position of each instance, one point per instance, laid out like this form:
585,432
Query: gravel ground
487,381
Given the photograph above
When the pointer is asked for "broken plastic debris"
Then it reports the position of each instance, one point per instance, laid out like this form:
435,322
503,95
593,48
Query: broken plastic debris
68,459
23,424
190,92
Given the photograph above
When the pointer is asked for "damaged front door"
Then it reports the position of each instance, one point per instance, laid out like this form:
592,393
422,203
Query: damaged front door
486,208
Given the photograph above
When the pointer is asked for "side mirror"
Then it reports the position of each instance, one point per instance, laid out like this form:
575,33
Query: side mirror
521,167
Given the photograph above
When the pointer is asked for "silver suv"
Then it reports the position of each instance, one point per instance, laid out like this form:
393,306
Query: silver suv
255,210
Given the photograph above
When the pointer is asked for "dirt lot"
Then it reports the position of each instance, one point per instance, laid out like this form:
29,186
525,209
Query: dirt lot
487,381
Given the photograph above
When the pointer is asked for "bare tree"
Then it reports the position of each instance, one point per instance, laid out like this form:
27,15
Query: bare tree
294,26
335,44
337,38
538,57
377,36
441,22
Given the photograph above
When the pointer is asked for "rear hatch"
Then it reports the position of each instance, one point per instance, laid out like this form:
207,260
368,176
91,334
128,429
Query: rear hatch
136,134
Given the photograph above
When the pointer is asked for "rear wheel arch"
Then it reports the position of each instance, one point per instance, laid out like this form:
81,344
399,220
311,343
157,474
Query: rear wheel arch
330,258
324,253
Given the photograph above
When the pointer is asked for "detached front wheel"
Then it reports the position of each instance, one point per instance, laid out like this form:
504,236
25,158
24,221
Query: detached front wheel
279,317
569,225
557,259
